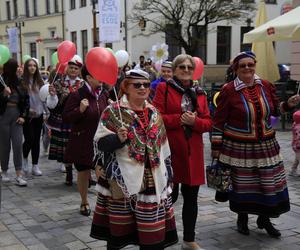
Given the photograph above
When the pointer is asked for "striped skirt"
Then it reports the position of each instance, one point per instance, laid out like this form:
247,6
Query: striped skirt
258,177
58,143
121,222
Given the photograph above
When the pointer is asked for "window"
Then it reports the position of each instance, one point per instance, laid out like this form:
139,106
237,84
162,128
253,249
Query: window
32,47
52,33
56,8
47,6
72,4
8,13
245,46
74,38
84,43
34,8
27,8
271,1
82,3
174,47
200,35
15,8
223,44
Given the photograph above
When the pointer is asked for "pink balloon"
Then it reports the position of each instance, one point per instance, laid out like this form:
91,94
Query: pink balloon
61,67
198,69
102,65
65,51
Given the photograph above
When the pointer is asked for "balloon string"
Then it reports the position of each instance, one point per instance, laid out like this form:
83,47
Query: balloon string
119,108
298,88
56,73
2,82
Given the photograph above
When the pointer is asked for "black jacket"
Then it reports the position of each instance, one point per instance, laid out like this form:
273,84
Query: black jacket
23,103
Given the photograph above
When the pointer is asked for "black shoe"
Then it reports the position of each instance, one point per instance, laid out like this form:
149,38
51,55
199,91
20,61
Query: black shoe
265,223
85,209
242,224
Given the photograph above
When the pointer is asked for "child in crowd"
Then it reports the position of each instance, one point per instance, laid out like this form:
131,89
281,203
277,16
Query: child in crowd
296,142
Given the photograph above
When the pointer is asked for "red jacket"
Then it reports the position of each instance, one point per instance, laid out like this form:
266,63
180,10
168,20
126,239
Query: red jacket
80,148
188,168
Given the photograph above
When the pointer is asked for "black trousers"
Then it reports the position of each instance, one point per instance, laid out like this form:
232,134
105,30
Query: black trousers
32,133
189,208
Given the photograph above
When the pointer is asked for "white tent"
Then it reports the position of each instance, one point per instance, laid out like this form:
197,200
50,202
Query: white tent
285,27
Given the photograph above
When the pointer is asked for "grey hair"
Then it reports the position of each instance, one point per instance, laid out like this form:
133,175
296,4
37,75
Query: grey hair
180,59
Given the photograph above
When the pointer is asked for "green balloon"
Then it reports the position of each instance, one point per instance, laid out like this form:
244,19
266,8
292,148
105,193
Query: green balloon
4,54
110,50
54,58
26,57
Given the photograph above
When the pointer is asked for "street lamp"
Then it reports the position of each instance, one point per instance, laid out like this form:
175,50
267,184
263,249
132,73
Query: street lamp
95,12
19,25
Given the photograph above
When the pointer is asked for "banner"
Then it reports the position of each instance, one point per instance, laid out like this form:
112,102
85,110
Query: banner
109,21
13,40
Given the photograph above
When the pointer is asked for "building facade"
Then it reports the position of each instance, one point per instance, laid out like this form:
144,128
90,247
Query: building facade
40,25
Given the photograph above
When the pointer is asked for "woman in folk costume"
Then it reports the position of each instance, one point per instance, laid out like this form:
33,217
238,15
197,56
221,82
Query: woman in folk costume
244,140
83,110
59,92
186,116
134,204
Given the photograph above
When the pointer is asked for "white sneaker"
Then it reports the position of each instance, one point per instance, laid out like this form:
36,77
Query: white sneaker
294,173
36,170
63,168
5,177
20,181
25,166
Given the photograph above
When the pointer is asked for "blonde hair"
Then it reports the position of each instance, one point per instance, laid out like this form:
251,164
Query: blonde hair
180,59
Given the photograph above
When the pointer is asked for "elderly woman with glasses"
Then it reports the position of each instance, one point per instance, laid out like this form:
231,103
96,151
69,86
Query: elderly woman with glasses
134,204
243,139
186,116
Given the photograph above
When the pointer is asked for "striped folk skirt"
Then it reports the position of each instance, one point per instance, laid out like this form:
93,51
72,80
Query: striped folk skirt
58,144
258,177
122,222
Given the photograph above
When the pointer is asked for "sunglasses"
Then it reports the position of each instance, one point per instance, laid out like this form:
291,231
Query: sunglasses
138,85
184,67
248,65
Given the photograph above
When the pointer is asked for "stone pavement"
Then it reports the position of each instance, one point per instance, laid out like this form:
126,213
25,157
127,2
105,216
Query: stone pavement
45,215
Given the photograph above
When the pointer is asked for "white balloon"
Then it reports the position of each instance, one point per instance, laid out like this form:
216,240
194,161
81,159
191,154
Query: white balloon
44,92
122,57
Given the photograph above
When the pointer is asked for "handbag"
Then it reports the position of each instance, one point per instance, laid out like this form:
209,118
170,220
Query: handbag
218,176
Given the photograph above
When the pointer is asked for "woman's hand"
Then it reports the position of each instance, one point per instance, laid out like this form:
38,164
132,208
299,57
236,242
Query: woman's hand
20,120
52,90
293,101
83,105
122,134
100,172
188,118
7,91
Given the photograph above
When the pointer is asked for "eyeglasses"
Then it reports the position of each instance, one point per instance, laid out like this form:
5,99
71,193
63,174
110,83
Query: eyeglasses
138,85
248,65
185,67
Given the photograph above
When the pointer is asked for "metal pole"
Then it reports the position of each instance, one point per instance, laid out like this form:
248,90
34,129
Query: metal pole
20,39
95,38
63,19
125,25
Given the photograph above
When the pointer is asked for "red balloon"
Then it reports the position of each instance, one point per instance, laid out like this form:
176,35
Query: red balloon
65,51
61,68
102,65
198,69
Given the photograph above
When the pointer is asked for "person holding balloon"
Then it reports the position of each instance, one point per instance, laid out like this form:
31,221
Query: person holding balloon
83,110
59,92
134,204
185,113
14,109
32,127
244,141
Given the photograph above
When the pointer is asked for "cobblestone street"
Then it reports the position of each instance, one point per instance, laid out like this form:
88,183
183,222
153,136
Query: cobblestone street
45,215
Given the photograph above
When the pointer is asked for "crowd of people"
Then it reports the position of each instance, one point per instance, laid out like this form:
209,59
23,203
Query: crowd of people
146,144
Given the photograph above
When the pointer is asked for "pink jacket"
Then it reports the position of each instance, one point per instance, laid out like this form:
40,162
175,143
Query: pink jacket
296,137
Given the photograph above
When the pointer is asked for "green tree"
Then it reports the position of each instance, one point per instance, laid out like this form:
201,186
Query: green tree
181,19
